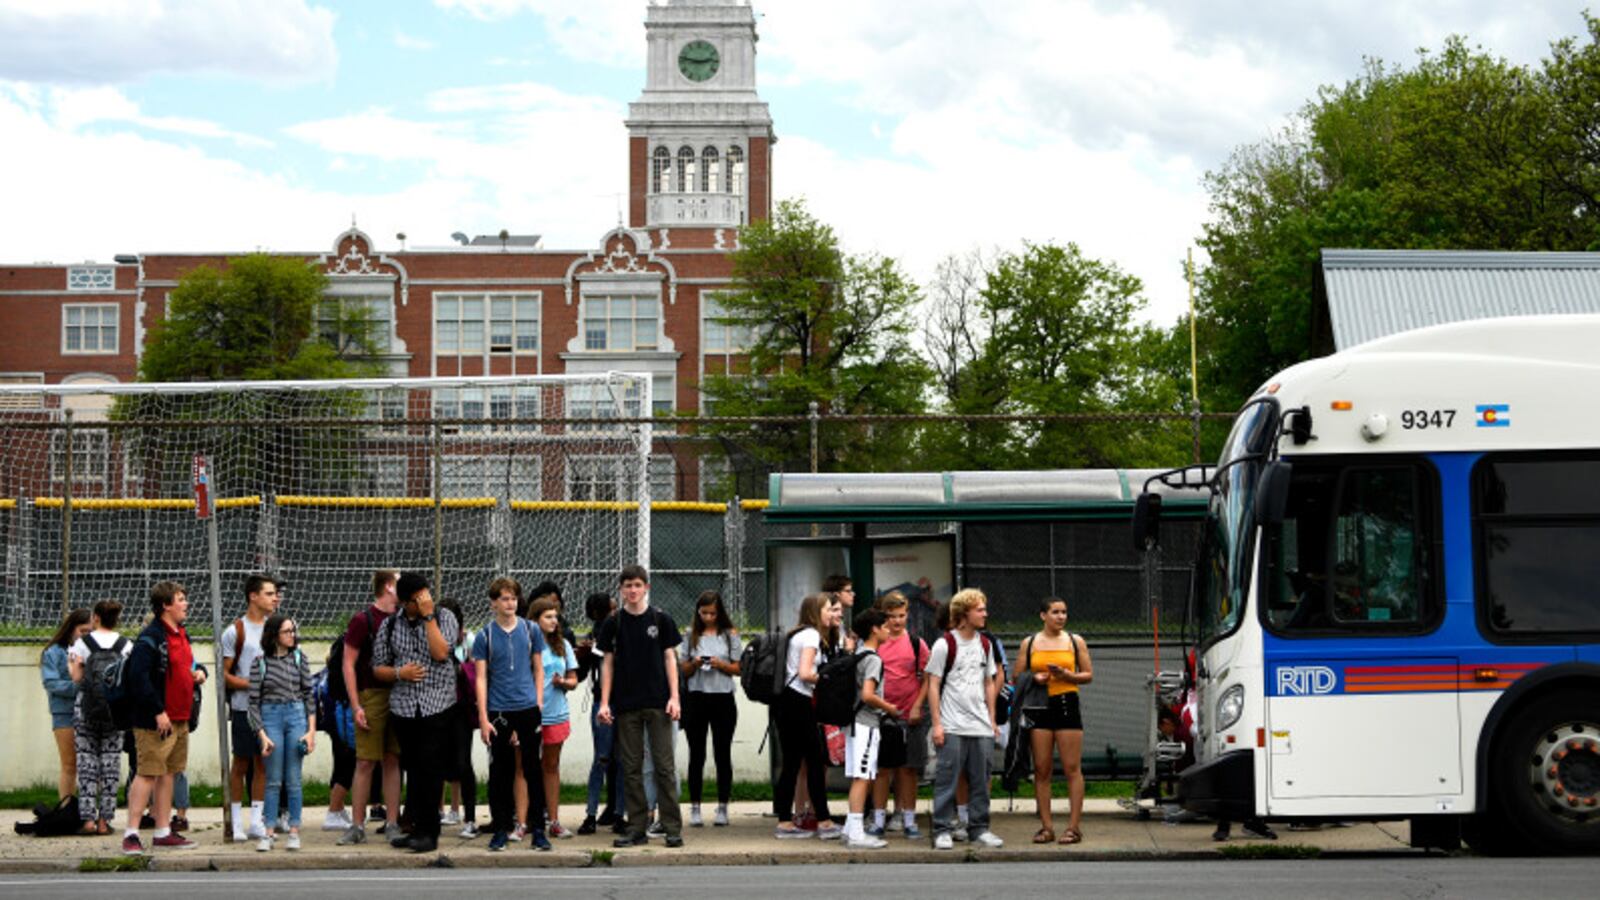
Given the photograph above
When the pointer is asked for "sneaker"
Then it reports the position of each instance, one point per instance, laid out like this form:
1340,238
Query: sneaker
499,841
913,833
619,825
420,844
240,837
674,841
147,821
179,823
989,839
293,841
1258,828
257,831
631,840
694,817
943,841
355,834
283,823
397,838
656,830
720,818
587,826
792,834
538,841
866,842
518,833
873,831
828,831
558,831
469,831
892,823
376,813
453,817
264,845
960,834
174,841
131,846
608,818
336,821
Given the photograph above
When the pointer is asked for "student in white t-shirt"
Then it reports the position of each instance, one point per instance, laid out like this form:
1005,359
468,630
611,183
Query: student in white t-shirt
861,746
798,736
961,697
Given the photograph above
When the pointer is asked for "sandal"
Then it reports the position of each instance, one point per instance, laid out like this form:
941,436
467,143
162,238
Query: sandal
89,828
1044,836
103,828
1071,836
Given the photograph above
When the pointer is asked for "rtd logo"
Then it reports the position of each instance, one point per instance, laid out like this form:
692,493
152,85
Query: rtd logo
1306,680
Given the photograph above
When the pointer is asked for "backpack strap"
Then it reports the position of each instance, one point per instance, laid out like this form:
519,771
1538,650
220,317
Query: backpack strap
238,644
949,654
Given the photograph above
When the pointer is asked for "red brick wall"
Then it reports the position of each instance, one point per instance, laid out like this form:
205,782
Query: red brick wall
31,339
760,178
638,179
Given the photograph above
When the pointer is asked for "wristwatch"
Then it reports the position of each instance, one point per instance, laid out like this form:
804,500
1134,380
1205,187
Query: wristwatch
430,617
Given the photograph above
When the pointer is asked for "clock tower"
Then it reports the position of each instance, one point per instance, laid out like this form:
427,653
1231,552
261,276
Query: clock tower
700,138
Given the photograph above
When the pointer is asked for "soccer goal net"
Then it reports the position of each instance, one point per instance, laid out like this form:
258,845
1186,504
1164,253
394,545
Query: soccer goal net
319,483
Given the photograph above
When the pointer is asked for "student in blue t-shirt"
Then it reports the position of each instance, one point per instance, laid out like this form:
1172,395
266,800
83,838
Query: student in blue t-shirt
508,654
560,676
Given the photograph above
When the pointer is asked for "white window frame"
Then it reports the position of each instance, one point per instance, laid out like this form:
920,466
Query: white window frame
731,340
16,401
489,404
525,309
91,278
97,328
89,464
380,304
663,475
611,339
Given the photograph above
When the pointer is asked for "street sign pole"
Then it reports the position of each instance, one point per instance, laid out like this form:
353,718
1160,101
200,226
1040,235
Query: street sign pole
205,509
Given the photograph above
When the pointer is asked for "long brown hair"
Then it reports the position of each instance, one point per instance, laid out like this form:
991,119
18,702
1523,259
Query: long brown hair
64,635
558,644
698,626
811,617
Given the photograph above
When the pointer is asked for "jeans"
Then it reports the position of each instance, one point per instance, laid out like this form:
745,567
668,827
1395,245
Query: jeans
718,714
524,723
632,727
603,771
285,724
958,755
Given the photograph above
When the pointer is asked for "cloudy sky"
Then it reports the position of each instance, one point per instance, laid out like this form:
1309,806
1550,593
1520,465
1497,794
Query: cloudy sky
917,129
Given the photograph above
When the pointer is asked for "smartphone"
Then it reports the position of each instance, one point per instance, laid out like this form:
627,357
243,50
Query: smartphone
301,746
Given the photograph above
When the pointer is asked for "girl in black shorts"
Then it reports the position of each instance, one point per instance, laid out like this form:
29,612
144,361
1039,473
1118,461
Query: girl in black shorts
1058,660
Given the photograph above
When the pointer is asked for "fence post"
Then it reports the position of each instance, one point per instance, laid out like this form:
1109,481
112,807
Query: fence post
733,557
1194,428
813,416
438,508
66,518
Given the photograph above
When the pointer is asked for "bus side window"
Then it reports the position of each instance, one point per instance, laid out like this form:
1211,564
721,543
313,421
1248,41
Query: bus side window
1378,548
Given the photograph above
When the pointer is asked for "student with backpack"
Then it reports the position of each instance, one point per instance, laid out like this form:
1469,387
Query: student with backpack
160,679
961,697
96,663
510,685
241,644
903,751
56,675
283,715
710,665
1057,661
871,711
639,692
799,737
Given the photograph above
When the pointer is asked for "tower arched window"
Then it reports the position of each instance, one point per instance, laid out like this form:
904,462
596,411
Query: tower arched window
685,169
661,171
733,174
710,170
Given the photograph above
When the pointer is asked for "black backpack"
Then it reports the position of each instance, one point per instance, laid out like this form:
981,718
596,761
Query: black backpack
104,701
837,697
52,821
335,664
761,667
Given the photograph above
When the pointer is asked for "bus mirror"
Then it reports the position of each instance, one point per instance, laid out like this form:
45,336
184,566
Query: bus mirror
1146,521
1272,492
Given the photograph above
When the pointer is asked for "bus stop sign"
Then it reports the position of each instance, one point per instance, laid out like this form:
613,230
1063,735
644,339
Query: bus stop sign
202,487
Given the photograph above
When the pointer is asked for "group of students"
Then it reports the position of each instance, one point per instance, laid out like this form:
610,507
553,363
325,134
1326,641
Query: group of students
911,696
406,692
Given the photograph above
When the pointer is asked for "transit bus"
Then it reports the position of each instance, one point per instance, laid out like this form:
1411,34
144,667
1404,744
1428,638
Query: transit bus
1396,604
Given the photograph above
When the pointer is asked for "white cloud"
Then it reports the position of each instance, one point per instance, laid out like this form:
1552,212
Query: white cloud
610,32
407,42
89,42
74,108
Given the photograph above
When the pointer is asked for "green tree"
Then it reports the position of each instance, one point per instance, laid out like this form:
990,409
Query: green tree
827,328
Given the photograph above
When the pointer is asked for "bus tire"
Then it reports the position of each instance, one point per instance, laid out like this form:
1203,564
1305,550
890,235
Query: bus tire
1546,776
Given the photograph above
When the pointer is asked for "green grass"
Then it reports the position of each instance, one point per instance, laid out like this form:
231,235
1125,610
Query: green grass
1269,851
114,864
316,793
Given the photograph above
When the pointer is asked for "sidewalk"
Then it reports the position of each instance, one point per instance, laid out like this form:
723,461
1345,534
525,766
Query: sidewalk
1109,833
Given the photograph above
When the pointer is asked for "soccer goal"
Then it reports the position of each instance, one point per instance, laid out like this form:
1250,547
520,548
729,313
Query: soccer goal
320,483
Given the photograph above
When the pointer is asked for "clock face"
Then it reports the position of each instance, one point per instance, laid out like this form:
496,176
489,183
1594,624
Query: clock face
698,60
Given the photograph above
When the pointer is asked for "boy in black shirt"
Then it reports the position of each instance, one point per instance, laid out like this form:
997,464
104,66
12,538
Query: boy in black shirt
639,692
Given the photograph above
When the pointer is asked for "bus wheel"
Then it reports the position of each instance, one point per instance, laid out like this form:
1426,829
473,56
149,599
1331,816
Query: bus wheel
1547,773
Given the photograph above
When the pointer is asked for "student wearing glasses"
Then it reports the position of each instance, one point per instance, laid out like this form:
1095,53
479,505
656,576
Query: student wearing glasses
283,715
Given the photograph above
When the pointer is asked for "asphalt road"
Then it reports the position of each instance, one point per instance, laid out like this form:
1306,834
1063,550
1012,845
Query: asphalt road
1337,879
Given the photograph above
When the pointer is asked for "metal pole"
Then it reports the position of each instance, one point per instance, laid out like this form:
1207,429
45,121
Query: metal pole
815,417
66,520
646,435
1194,429
219,691
438,509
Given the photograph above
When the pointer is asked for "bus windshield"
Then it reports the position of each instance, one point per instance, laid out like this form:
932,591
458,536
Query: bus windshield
1225,552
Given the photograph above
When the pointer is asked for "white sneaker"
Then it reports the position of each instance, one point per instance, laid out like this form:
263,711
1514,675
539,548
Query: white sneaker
866,842
720,819
944,842
293,843
829,831
695,821
283,823
990,839
960,834
257,831
264,845
453,817
892,823
336,821
469,830
240,837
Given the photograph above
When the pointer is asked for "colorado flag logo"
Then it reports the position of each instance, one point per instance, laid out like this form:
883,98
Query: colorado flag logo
1494,415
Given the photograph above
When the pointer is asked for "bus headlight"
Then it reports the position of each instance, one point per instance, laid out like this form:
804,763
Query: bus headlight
1229,707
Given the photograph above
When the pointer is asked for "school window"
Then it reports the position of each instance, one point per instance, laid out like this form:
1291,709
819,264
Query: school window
494,405
716,480
381,476
621,322
91,278
501,476
686,169
387,407
341,321
663,479
89,327
600,478
710,170
21,399
470,324
719,335
661,171
733,173
1537,534
89,452
1355,552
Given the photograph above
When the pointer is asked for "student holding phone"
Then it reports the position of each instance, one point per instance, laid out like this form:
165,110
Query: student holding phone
1059,660
711,670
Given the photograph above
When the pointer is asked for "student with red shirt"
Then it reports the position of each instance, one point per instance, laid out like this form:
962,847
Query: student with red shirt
903,751
161,680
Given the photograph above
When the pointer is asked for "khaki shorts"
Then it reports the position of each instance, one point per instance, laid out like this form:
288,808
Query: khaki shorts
379,738
159,755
